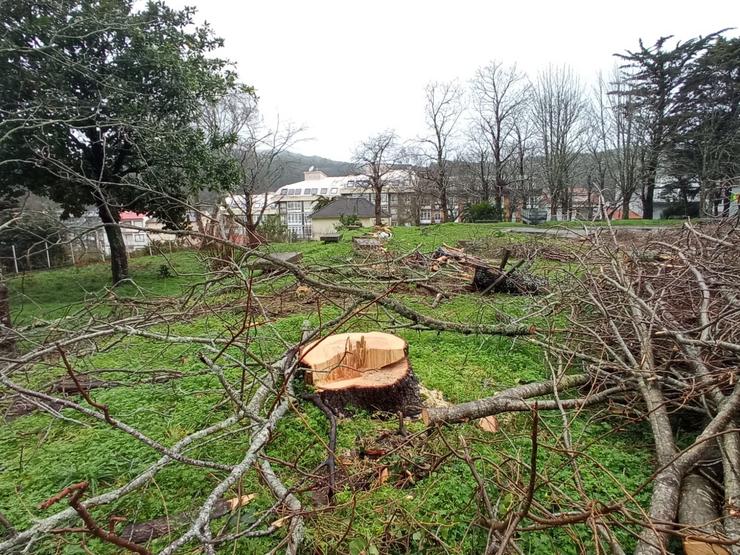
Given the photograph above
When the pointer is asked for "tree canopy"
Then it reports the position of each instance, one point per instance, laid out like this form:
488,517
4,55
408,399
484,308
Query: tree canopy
98,104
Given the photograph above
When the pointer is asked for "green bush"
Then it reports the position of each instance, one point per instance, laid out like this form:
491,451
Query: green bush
347,221
481,212
273,229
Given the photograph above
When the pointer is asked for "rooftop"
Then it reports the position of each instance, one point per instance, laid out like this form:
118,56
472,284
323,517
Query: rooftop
346,206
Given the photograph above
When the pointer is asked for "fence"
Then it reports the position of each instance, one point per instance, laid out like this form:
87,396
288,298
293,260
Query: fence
45,256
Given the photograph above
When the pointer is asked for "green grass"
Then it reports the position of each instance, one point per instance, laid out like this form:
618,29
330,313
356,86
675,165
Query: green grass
615,223
41,454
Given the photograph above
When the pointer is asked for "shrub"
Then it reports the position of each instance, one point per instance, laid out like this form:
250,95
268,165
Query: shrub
347,221
679,209
481,212
273,229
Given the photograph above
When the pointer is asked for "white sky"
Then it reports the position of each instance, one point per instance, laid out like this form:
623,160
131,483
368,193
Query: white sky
347,69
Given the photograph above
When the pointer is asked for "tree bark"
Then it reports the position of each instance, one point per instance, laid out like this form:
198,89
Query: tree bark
510,400
378,205
118,256
554,205
7,341
443,202
699,509
648,189
625,208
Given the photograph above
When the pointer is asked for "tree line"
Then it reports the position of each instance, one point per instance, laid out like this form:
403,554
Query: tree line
666,118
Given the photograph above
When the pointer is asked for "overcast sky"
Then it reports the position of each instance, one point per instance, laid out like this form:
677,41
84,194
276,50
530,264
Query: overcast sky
346,69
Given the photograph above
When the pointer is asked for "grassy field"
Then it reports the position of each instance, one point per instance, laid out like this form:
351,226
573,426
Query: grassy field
436,513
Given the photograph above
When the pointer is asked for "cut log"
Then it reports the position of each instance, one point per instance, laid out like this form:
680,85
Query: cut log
269,266
364,243
368,370
699,508
491,277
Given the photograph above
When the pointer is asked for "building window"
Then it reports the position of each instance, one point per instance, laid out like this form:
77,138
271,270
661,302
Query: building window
139,237
315,191
333,191
295,206
307,191
426,214
323,190
295,219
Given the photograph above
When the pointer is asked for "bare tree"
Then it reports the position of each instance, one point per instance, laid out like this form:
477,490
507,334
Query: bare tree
523,189
376,158
258,147
500,94
478,168
615,142
557,112
442,108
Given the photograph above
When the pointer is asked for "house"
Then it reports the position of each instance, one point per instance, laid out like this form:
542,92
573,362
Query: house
401,198
325,220
139,231
134,239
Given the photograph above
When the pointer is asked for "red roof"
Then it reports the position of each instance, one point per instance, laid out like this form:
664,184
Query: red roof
617,215
129,215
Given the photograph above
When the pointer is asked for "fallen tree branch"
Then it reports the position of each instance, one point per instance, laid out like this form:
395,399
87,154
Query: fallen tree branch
331,449
511,400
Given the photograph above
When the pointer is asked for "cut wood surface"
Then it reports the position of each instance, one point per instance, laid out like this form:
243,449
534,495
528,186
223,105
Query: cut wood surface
346,356
369,370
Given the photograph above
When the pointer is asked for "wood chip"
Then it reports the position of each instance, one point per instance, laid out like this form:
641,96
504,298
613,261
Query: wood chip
240,501
489,424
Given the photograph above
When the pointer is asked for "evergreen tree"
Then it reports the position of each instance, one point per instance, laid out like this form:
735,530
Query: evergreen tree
706,146
655,76
97,105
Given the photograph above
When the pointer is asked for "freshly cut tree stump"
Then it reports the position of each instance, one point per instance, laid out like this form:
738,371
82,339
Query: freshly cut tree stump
367,370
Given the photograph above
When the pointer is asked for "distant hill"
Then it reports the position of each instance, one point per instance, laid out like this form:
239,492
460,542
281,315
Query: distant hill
295,164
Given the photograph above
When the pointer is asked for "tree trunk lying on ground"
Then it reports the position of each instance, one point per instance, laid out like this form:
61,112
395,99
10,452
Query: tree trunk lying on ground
699,508
19,405
143,532
490,278
510,400
367,370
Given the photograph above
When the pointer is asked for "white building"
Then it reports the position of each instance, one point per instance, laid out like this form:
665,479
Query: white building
295,203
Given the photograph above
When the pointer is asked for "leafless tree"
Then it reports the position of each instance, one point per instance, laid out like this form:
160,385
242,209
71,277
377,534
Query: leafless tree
258,147
476,159
376,158
500,97
615,142
557,113
442,108
523,190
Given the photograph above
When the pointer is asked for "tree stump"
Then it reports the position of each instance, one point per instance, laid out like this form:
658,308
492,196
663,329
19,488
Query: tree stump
366,370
